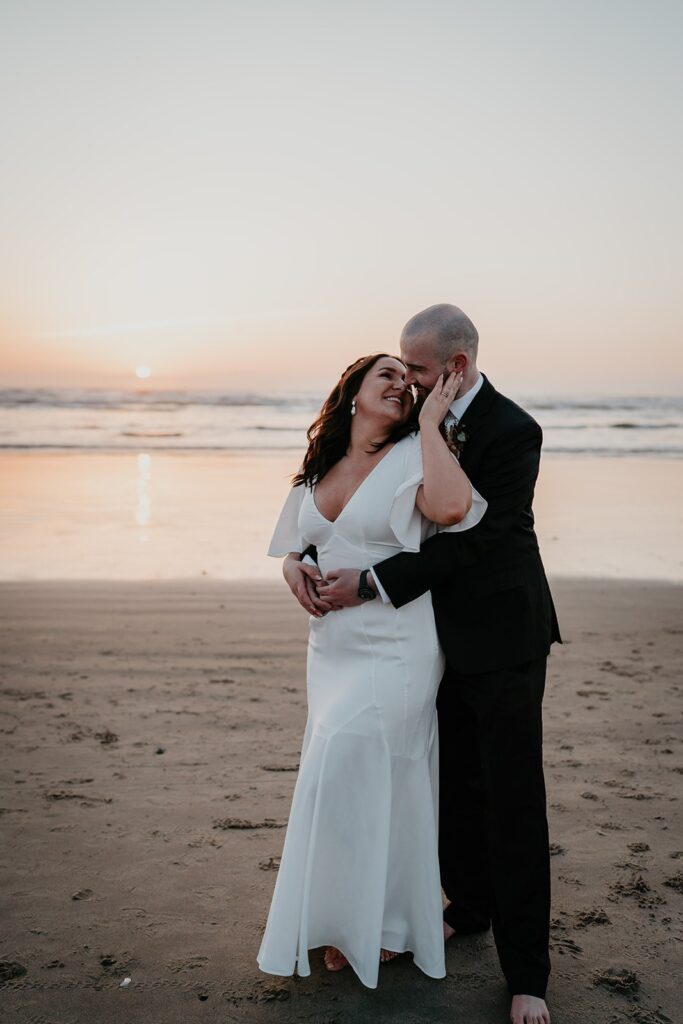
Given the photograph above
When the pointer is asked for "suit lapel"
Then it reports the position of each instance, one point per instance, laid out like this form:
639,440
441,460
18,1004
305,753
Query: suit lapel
480,404
475,415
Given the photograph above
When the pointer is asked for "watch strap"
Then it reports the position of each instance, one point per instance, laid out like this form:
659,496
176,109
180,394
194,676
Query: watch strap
365,591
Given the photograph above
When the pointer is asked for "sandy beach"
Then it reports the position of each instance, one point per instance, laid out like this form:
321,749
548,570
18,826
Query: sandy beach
150,738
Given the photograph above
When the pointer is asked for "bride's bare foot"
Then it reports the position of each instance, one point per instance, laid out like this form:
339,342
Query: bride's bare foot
447,931
387,954
334,959
529,1010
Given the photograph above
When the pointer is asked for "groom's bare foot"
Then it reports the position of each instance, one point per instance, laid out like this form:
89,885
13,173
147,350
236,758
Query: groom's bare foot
529,1010
334,959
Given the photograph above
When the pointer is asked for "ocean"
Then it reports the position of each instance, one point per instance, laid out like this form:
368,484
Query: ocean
203,421
103,484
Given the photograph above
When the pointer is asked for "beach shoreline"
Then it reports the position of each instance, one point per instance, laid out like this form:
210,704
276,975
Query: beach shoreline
151,732
163,515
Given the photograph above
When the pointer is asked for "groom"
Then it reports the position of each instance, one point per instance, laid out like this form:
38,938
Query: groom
496,622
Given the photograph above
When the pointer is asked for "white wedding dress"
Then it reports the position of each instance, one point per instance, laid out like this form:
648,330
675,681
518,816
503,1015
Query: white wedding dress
359,867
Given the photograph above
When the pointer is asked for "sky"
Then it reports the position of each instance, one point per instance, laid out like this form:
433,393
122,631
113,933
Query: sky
253,194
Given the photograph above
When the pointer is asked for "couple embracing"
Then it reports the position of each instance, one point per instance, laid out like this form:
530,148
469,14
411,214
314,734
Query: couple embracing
409,537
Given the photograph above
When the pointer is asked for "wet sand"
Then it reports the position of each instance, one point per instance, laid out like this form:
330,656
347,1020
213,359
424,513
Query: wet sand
167,515
150,737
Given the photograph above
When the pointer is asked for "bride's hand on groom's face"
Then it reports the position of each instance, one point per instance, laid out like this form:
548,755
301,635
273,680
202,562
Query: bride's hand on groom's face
440,398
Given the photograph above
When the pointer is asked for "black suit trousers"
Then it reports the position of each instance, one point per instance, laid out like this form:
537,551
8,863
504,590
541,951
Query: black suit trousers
493,830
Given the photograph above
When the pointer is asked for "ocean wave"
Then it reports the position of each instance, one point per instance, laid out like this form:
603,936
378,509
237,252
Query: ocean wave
209,420
141,399
151,433
655,404
188,449
262,426
643,426
666,453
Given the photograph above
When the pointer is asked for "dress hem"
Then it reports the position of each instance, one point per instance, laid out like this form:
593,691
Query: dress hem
437,975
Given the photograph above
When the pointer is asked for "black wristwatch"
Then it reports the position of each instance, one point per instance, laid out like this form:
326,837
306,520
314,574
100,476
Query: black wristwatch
365,591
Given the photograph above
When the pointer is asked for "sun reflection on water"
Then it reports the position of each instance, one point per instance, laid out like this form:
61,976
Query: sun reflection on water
143,507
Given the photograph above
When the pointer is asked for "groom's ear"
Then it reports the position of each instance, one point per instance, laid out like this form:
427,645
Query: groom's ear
457,363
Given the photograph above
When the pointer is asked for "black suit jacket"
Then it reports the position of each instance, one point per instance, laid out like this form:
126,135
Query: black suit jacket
491,599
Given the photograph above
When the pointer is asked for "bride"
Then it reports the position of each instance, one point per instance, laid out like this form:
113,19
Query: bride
359,871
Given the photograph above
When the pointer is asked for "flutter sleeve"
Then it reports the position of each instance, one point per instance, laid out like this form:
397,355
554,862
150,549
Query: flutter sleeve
287,534
407,522
474,516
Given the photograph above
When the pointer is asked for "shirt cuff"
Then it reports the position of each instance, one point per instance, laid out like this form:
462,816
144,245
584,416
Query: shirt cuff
307,560
380,589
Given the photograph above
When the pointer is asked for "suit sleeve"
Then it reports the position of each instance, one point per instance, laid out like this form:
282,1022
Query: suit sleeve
507,481
310,552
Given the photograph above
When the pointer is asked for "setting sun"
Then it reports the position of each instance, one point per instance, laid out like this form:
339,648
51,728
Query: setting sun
143,372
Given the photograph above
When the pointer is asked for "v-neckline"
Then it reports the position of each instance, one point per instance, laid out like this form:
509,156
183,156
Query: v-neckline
360,486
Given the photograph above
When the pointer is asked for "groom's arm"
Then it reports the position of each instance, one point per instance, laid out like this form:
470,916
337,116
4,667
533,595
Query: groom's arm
507,482
311,553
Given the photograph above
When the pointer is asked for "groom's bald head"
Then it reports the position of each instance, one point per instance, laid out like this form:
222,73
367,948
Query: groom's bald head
439,340
446,328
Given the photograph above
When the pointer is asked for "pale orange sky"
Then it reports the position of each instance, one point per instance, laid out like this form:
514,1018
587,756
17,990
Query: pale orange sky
254,194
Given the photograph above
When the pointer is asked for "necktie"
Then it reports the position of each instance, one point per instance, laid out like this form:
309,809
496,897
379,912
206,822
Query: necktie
448,432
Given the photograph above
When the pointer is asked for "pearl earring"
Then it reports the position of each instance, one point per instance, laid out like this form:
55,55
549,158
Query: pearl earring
353,407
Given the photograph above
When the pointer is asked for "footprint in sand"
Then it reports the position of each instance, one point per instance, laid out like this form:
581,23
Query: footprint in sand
189,963
640,1015
272,864
569,880
566,945
243,823
637,887
106,737
82,894
87,799
585,918
618,979
675,882
205,841
9,970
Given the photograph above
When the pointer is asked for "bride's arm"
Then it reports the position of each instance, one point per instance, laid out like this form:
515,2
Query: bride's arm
445,496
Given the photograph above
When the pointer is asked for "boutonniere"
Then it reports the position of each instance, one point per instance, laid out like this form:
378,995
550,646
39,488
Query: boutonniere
456,436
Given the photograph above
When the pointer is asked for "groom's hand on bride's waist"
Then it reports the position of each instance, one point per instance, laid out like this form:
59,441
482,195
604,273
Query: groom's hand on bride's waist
340,588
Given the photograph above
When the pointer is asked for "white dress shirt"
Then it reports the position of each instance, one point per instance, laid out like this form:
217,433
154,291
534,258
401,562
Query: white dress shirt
456,411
